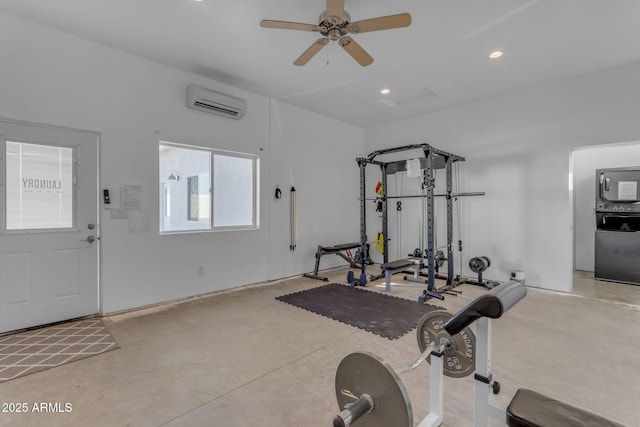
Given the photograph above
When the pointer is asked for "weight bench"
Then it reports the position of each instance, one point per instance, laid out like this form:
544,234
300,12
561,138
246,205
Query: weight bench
394,267
531,409
336,249
527,408
367,387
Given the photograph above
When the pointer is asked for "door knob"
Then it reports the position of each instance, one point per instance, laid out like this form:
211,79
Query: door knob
90,239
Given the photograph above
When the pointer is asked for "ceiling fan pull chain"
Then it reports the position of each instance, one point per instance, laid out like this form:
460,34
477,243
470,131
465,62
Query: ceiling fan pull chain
328,55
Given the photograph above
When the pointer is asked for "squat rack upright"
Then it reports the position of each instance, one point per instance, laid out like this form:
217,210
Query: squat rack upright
433,159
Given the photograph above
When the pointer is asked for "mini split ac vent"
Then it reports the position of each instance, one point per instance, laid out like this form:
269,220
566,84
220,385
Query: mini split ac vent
203,99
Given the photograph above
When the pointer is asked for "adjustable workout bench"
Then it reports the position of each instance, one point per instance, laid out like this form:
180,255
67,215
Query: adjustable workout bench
527,408
338,250
368,388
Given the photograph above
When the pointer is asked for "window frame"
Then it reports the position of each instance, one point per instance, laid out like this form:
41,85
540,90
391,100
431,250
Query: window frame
255,180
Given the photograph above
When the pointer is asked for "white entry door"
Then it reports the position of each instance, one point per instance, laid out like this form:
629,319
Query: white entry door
48,225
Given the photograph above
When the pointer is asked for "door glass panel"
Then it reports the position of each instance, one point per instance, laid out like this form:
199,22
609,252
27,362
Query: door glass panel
40,190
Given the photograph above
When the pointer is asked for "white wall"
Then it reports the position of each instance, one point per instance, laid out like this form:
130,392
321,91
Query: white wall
518,150
317,156
53,78
517,146
585,163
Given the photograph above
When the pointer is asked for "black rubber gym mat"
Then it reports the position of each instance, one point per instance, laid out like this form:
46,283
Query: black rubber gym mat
384,315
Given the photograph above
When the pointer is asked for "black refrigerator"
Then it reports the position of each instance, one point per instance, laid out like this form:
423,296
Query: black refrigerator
617,240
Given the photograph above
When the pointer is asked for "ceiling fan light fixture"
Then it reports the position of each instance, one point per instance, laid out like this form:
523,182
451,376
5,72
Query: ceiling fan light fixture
496,54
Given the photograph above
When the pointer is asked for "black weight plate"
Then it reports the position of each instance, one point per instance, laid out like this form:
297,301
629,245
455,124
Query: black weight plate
366,373
479,264
460,355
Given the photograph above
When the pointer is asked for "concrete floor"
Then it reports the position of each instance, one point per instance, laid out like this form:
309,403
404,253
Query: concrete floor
242,358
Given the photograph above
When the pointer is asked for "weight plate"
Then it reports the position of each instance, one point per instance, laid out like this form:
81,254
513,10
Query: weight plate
361,373
460,355
488,261
439,258
479,264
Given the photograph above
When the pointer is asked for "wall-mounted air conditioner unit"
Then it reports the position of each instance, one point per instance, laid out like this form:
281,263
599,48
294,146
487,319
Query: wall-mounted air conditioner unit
208,100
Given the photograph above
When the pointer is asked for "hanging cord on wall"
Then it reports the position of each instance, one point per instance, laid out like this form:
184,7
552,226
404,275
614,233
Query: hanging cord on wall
292,245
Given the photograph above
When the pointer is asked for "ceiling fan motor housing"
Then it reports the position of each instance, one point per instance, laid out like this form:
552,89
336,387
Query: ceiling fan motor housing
335,20
333,27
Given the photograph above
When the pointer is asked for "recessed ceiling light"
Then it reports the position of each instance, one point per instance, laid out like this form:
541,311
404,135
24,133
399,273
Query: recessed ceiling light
495,54
385,91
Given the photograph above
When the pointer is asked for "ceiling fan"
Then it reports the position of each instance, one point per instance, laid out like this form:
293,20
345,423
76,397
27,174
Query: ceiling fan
335,24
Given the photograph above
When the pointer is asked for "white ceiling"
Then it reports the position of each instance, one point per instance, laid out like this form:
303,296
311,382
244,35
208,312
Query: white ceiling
439,61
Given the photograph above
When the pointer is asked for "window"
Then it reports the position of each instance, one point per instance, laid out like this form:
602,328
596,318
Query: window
40,186
202,189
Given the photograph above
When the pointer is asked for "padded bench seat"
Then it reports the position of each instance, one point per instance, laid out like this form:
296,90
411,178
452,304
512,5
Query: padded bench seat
397,265
393,267
342,247
324,250
531,409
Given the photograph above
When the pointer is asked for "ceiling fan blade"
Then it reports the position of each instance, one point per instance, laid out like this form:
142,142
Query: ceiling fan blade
356,51
284,25
311,51
381,23
335,8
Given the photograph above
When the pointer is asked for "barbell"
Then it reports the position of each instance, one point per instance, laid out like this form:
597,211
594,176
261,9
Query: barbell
439,256
365,382
417,196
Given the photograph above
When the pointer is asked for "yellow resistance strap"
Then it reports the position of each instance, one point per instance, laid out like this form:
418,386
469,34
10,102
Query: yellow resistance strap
380,243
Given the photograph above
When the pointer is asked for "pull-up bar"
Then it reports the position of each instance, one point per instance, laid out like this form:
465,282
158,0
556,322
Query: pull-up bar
415,196
424,147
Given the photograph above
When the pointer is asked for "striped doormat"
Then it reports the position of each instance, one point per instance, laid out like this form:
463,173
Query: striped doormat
40,349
